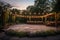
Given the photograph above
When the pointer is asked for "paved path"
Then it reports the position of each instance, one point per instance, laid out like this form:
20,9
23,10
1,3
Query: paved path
30,27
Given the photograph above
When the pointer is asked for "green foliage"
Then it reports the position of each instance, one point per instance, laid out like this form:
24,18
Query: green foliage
18,34
4,13
57,6
45,5
36,34
34,9
51,18
15,11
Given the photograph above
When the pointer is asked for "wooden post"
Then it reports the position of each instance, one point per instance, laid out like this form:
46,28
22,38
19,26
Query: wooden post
45,18
42,19
55,19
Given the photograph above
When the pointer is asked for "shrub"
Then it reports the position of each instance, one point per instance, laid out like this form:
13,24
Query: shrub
18,34
36,34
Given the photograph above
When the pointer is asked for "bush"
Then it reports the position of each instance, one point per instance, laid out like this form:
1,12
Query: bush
36,34
14,33
58,32
43,33
1,27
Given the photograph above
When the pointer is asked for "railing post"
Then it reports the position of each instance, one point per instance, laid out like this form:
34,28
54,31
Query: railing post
55,19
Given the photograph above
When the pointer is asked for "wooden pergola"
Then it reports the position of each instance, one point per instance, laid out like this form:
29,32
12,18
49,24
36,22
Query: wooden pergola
30,17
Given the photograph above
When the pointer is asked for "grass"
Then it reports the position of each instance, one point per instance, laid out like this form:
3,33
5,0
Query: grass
36,34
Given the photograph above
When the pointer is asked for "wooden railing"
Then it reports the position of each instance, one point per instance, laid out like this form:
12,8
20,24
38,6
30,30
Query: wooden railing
35,22
26,16
31,21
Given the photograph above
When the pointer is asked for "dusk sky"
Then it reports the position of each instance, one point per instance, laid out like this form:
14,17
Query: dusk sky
20,4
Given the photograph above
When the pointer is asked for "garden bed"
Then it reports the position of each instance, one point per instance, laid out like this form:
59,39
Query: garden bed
36,34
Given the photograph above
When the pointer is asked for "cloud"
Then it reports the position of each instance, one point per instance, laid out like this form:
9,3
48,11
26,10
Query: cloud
21,4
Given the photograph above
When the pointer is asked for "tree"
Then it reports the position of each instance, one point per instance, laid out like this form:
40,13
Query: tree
15,11
1,5
33,9
40,4
30,8
45,5
57,6
4,12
